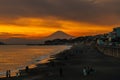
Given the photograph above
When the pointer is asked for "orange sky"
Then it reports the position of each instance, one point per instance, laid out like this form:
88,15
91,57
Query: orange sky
37,28
40,18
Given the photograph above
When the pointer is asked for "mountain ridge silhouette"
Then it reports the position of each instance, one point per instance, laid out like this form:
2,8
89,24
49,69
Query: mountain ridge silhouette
59,35
55,35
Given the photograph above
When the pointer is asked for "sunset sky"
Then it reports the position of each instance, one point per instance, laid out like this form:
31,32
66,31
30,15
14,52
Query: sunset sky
39,18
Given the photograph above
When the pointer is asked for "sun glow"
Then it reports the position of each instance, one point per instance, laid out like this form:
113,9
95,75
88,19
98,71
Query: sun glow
33,27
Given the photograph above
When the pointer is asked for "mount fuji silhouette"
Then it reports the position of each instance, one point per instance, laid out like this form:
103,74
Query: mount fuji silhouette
59,35
56,35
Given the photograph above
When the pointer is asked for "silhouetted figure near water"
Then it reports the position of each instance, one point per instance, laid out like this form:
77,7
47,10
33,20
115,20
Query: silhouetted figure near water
20,73
27,69
7,73
17,74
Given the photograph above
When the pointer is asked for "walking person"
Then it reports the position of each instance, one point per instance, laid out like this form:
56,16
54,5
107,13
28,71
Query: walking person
61,72
27,69
92,70
20,73
88,70
85,71
17,74
7,73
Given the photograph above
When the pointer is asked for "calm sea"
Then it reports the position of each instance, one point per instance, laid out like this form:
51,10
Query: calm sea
15,57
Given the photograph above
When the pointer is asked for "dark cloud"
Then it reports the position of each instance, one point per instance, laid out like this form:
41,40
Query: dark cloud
25,22
8,35
101,12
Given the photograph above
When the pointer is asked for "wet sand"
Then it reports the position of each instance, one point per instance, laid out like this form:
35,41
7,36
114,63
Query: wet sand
72,62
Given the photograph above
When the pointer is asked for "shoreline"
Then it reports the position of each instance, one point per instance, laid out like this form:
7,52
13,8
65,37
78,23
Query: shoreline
38,61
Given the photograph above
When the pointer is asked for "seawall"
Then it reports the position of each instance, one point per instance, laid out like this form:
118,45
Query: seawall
109,50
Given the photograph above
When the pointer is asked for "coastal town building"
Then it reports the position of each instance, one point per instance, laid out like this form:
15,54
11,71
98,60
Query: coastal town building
111,38
116,31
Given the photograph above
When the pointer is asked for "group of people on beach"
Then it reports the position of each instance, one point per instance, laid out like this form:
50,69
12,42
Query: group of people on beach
8,73
88,70
19,73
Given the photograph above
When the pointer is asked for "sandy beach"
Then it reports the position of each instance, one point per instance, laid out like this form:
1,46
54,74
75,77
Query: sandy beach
69,64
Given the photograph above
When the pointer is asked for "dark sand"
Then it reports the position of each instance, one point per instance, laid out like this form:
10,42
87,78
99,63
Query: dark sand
72,62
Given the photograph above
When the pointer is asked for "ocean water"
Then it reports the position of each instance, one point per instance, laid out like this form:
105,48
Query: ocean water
16,57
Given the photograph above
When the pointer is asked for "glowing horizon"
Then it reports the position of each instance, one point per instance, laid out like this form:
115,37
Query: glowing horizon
38,28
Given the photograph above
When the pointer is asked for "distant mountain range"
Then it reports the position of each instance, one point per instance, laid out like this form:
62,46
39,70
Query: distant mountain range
55,35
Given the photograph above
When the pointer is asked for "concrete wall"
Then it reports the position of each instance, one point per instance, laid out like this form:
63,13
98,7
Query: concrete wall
111,51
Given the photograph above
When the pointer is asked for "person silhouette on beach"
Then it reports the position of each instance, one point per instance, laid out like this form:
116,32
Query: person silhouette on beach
27,69
7,73
61,72
17,74
20,73
90,70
